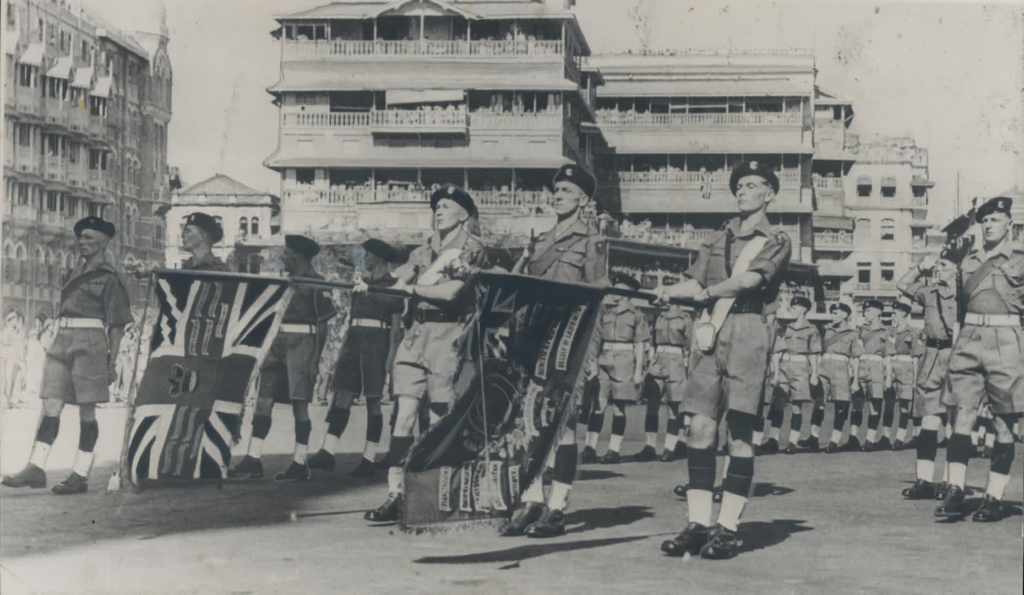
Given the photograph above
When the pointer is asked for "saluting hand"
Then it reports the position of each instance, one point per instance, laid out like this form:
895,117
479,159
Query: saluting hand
928,263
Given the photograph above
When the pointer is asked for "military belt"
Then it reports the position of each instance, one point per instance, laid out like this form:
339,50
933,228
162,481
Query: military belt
369,323
298,328
79,323
903,358
794,357
747,307
435,316
992,319
616,346
835,357
669,349
871,357
939,343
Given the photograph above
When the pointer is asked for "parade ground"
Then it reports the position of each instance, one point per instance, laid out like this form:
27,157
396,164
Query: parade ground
817,524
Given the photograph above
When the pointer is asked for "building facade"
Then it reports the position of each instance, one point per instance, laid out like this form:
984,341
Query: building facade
248,217
383,101
86,109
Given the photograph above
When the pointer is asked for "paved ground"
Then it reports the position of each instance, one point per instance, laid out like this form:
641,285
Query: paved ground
818,523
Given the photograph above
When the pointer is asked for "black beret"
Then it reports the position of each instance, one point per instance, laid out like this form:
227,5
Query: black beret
953,254
577,175
207,224
999,204
841,306
903,306
381,249
753,168
624,279
874,304
800,301
104,227
456,194
302,245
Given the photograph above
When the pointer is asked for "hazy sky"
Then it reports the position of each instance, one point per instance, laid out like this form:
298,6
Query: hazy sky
948,74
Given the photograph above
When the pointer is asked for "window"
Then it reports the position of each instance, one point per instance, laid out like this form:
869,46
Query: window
254,226
863,230
73,152
888,229
864,272
27,75
888,272
51,201
85,49
888,191
305,175
863,189
24,135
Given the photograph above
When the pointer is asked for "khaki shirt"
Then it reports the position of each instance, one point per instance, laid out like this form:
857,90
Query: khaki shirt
576,256
993,282
309,305
939,303
423,256
210,263
906,341
673,327
96,293
622,322
876,340
799,340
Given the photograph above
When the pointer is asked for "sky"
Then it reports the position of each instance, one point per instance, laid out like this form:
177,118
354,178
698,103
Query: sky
948,74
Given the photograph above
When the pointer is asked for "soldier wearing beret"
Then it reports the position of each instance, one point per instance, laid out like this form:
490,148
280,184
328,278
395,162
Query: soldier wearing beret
624,334
986,366
426,360
737,275
362,368
908,349
795,363
81,362
201,232
875,369
289,370
573,251
839,369
939,301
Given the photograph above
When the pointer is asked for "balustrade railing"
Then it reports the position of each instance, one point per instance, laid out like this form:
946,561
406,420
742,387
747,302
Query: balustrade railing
426,47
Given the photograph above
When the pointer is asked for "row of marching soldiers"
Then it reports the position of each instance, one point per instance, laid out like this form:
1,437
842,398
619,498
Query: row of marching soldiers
708,371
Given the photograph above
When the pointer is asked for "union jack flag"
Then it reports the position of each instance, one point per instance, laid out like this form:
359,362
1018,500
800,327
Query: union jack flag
208,339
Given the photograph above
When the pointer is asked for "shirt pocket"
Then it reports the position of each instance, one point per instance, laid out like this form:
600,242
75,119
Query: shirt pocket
574,256
625,326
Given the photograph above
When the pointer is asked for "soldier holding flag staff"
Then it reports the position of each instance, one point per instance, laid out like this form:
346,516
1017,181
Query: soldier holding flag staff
737,274
81,362
200,233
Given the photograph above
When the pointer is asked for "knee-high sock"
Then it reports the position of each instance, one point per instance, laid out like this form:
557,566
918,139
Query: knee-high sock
260,430
651,428
337,421
594,427
873,421
775,416
927,445
564,473
618,431
396,455
958,454
842,410
88,434
817,416
735,490
374,428
999,469
917,425
47,432
701,465
671,433
856,419
904,434
796,423
758,430
302,431
888,416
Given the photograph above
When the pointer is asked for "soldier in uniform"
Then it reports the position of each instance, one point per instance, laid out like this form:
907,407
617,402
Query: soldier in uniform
939,301
838,369
737,274
875,367
289,370
81,362
362,367
908,351
795,361
673,331
426,360
986,366
201,232
572,251
624,333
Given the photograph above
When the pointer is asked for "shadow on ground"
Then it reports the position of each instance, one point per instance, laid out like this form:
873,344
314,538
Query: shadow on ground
530,550
606,518
758,535
592,474
37,521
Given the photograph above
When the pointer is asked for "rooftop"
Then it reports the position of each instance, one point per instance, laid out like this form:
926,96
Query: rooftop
221,185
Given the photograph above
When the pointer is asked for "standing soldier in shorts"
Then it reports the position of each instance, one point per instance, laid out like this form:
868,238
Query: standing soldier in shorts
624,333
737,274
986,366
442,304
796,360
362,367
939,301
875,372
572,251
908,350
288,373
81,362
673,331
838,370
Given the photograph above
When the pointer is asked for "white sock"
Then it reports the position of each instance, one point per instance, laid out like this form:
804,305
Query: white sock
990,440
670,441
255,447
854,431
615,443
925,469
652,439
837,435
945,473
732,508
872,434
83,463
699,507
592,439
773,433
976,437
794,436
559,495
949,431
395,484
330,443
725,468
996,485
299,456
816,431
40,451
957,474
906,434
758,437
534,493
369,450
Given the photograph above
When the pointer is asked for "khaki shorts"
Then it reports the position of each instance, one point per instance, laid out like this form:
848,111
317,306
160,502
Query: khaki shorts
904,379
872,379
987,367
795,381
615,373
362,363
835,380
289,371
932,382
669,372
75,369
427,360
733,375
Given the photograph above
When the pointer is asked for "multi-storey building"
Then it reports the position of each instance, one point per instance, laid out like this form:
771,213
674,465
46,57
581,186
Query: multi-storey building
246,215
381,101
86,109
677,124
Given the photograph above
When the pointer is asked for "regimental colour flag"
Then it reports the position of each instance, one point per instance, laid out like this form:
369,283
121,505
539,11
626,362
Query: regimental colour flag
209,337
520,378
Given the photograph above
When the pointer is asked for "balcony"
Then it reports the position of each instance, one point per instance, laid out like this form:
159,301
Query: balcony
833,241
741,132
881,288
485,199
826,183
54,219
78,120
96,180
25,213
97,127
383,120
55,168
384,49
56,111
27,160
677,191
220,199
615,118
27,101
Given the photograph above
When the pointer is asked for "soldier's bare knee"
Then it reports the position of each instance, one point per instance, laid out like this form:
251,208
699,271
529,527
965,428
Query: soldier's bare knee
964,420
52,406
405,419
301,410
87,412
373,405
702,431
264,406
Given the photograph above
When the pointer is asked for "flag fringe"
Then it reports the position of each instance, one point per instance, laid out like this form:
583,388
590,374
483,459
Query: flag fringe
449,526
